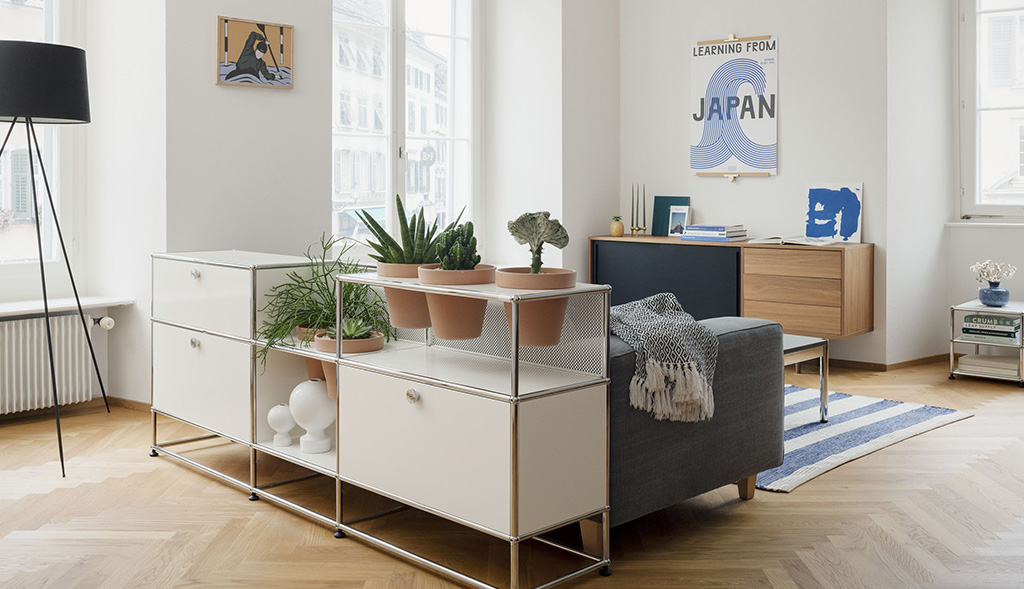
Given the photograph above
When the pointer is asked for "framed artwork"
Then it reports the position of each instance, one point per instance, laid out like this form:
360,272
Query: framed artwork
662,204
251,53
834,212
678,219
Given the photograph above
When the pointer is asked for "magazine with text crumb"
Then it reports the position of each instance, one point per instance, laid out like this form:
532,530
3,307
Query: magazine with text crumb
794,240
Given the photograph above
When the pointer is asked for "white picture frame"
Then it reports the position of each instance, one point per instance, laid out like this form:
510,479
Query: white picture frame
678,219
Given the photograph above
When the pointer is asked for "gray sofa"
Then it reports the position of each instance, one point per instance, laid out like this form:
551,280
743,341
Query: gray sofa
655,464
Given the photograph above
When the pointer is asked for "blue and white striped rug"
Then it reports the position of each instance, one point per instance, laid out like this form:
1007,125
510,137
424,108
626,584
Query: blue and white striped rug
856,426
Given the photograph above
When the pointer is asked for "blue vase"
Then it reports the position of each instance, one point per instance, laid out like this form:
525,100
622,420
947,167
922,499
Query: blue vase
993,296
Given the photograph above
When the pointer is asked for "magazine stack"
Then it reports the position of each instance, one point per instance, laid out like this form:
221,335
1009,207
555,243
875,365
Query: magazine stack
724,233
991,329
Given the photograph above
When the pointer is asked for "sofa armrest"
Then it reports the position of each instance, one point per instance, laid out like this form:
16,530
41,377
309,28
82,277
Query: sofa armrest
655,464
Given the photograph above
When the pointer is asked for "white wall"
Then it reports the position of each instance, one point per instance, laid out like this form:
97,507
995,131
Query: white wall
126,176
247,168
522,122
831,117
970,243
590,124
922,163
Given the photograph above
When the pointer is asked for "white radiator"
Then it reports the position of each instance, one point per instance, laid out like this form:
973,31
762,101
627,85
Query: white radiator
25,364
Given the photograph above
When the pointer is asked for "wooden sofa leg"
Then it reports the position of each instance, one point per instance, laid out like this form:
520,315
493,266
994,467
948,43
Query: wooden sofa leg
591,532
747,487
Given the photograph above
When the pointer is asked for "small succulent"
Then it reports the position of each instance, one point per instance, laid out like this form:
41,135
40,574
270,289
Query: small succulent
456,248
419,242
536,229
989,271
354,328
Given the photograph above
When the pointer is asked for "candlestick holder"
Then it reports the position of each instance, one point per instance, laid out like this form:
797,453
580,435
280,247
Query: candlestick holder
643,230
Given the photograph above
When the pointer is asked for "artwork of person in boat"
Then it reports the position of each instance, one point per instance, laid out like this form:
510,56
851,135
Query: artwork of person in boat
251,59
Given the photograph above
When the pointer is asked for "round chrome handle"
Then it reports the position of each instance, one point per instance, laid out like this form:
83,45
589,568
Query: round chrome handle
195,273
194,342
412,395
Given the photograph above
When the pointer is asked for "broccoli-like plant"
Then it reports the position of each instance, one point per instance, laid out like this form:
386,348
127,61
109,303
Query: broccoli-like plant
456,248
536,229
355,328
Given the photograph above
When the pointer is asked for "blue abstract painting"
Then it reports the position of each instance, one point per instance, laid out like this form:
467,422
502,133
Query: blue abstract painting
834,212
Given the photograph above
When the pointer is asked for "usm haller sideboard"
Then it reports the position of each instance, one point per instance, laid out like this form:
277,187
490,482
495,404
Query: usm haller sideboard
821,291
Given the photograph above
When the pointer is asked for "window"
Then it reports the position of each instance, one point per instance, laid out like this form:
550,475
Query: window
344,110
992,108
28,20
436,48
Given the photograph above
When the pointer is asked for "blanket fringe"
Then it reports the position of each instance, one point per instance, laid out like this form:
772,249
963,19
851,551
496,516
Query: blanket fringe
672,391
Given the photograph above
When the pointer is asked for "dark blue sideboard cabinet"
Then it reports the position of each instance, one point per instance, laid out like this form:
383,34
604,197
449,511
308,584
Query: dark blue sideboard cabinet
825,291
705,278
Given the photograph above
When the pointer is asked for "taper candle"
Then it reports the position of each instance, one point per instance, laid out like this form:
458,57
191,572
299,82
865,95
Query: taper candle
643,218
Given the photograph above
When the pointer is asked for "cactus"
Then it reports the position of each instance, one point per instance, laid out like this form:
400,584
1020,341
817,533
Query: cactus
456,248
353,328
537,229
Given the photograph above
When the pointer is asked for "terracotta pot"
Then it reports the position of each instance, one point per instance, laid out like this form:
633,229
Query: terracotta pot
540,322
314,369
407,309
367,344
452,317
329,345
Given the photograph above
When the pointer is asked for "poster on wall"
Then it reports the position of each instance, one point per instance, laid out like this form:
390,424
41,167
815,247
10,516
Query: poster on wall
251,53
734,87
834,212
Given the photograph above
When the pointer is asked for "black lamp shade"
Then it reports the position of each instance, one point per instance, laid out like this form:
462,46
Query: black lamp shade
44,81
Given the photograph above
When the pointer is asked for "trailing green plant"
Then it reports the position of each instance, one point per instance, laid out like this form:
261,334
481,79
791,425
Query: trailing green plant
456,248
536,229
355,329
419,242
309,299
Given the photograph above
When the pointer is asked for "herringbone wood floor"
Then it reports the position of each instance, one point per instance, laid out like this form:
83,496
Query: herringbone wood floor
944,509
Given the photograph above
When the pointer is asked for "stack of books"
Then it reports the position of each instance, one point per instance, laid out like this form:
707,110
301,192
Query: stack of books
993,365
714,233
991,329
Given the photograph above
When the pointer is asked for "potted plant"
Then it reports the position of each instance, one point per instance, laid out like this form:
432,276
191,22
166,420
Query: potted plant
540,322
456,317
407,308
993,273
307,301
357,337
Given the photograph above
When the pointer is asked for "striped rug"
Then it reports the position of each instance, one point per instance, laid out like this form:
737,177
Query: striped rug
856,426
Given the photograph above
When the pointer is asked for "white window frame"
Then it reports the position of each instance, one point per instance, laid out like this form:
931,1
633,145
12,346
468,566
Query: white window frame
65,171
970,208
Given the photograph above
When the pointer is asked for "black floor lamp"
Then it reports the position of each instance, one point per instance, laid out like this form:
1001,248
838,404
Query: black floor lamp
45,83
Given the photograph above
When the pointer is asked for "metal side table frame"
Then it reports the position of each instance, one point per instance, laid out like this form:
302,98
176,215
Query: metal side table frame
800,348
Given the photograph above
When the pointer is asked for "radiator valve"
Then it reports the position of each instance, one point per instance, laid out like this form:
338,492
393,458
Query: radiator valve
106,323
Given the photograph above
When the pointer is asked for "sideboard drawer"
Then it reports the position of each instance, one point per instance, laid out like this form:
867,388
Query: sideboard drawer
778,262
798,319
203,379
214,298
826,292
448,450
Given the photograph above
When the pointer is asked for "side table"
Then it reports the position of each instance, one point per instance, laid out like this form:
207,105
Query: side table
800,348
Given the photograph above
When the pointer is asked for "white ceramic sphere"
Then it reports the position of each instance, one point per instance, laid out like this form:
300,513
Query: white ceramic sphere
280,419
311,407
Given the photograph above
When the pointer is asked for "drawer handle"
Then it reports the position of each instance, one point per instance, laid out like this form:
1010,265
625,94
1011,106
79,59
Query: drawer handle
195,343
412,396
195,273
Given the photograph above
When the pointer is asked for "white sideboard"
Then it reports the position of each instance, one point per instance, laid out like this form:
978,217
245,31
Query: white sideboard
506,440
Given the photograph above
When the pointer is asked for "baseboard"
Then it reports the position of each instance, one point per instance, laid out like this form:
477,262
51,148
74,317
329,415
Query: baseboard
885,367
48,411
128,404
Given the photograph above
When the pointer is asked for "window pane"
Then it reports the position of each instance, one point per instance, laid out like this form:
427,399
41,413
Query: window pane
429,16
360,177
25,21
1000,59
361,138
1001,157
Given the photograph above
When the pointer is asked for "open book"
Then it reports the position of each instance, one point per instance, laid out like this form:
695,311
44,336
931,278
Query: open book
795,240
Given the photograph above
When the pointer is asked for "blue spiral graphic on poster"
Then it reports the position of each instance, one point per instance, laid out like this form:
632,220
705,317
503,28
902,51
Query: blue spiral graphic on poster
723,136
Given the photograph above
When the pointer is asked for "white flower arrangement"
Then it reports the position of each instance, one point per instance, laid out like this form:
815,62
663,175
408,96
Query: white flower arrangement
989,271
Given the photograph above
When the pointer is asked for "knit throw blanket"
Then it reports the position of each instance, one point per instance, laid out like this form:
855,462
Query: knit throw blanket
675,358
